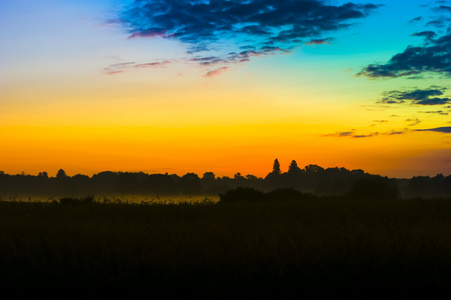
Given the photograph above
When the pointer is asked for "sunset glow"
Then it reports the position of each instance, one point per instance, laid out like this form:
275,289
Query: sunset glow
225,86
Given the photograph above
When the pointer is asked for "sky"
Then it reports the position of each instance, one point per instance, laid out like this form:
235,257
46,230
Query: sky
184,86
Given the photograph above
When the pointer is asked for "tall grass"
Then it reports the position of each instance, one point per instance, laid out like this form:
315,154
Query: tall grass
319,248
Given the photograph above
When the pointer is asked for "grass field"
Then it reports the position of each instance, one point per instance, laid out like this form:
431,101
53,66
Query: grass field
314,248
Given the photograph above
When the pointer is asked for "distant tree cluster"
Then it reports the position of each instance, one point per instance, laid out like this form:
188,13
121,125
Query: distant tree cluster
311,179
425,186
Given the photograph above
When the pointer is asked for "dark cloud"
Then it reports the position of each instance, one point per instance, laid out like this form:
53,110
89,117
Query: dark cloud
359,136
341,134
434,56
440,23
418,96
444,8
393,132
415,60
438,112
429,35
320,41
272,23
413,122
416,19
353,134
446,129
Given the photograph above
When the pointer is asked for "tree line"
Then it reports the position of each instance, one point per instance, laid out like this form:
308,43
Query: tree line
311,179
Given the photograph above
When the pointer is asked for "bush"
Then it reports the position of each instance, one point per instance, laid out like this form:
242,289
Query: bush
84,200
289,194
372,188
242,194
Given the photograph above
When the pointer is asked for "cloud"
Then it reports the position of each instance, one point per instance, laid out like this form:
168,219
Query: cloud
415,60
353,134
152,32
438,112
320,41
206,25
439,22
446,129
429,35
434,56
444,8
417,19
121,67
413,122
234,57
416,97
216,72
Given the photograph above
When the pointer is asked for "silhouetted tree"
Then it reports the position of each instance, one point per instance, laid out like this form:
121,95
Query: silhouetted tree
209,176
159,184
292,178
43,174
251,177
313,169
276,167
293,168
61,174
190,184
274,179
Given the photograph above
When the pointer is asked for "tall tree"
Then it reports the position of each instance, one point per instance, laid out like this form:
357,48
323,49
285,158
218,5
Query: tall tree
61,174
293,168
276,167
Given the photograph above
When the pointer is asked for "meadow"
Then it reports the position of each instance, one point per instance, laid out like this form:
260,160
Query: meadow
284,248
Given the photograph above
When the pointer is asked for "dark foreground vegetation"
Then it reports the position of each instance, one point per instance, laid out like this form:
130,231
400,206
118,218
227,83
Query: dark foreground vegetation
282,244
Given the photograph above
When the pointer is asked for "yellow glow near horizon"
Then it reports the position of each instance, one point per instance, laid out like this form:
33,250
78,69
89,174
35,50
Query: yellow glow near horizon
225,150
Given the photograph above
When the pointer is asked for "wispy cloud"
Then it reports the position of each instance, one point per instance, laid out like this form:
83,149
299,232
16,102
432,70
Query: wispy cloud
444,8
437,112
121,67
417,19
355,135
326,41
413,122
216,72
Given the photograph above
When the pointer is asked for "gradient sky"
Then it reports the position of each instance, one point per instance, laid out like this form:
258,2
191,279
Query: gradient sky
225,86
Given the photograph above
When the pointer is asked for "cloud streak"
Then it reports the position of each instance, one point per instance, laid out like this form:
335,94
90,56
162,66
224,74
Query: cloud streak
446,129
353,134
430,96
121,67
216,72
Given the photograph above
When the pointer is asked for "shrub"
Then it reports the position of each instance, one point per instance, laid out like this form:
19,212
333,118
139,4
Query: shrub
375,188
242,194
289,194
84,200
